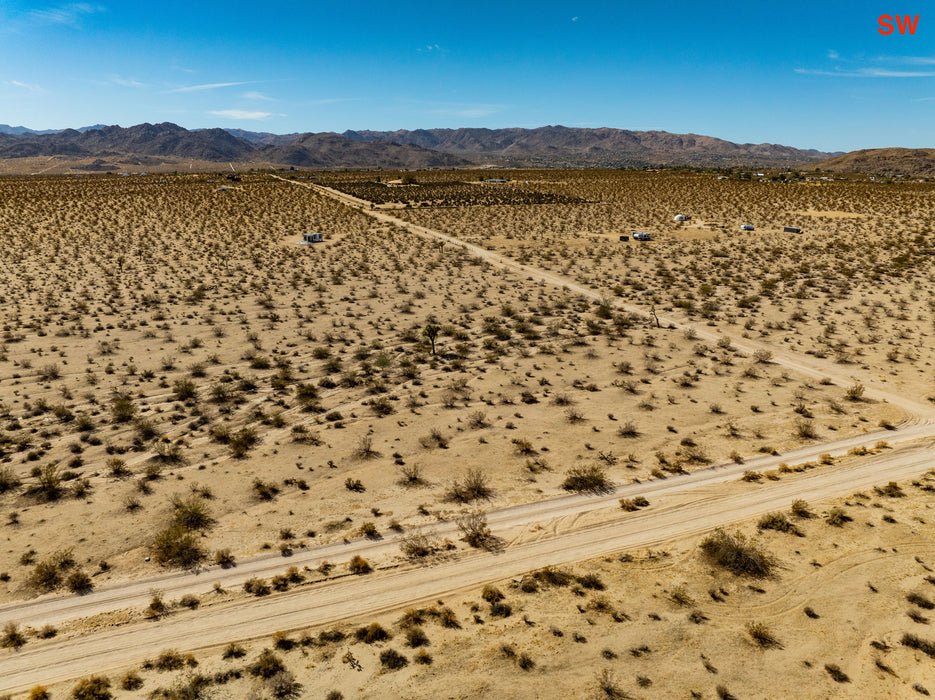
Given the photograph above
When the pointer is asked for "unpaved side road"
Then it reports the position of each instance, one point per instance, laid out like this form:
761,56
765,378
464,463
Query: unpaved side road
807,365
55,609
701,509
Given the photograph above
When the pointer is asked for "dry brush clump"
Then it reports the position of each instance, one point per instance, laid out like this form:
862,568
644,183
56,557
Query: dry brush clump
733,552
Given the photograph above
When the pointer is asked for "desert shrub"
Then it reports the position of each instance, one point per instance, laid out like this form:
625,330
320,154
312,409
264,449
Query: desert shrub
156,606
170,660
374,632
122,408
500,609
359,565
411,475
800,509
837,675
191,513
762,635
855,392
912,641
233,651
284,685
633,504
418,544
355,485
734,553
267,665
265,490
920,600
492,594
184,390
591,477
48,486
12,638
422,657
256,586
474,529
475,486
224,558
177,546
92,688
242,441
553,577
592,582
446,617
8,479
392,659
838,517
778,522
892,490
79,582
39,692
608,686
415,637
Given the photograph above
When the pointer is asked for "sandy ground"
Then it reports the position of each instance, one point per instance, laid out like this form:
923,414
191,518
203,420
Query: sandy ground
202,321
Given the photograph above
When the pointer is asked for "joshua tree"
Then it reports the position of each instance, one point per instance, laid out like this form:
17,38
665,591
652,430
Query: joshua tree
431,332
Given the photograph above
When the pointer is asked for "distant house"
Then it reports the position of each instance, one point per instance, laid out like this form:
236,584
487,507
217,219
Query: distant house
746,227
495,179
680,217
309,238
791,229
642,236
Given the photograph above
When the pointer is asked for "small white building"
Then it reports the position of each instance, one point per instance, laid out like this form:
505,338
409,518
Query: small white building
680,217
642,236
309,238
746,227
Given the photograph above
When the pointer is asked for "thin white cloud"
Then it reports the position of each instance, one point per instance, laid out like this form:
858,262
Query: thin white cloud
574,19
208,86
64,14
254,95
868,73
126,82
914,60
244,115
430,48
833,55
30,87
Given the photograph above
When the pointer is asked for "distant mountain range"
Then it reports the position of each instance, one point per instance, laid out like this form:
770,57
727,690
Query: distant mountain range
548,146
593,146
153,142
919,162
19,130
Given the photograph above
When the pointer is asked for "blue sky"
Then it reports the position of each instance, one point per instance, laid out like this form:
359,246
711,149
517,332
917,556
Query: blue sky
807,74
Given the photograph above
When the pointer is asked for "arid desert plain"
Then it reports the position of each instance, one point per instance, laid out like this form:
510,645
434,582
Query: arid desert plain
477,443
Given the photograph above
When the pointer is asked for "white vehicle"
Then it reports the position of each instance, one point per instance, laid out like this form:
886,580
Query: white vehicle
746,227
642,236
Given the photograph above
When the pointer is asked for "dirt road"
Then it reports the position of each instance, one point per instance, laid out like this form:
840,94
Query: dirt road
551,532
679,509
55,609
843,375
